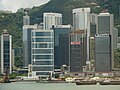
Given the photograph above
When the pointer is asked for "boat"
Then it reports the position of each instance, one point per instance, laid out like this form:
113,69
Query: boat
110,82
70,80
86,83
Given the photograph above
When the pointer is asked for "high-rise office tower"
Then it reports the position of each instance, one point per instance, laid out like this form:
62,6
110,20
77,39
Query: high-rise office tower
61,44
26,19
105,25
103,53
50,19
6,53
81,21
78,50
27,44
42,52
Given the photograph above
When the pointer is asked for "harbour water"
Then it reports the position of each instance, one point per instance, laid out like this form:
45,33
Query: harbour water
54,86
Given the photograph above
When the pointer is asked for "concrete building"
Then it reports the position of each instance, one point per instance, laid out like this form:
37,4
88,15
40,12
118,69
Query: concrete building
81,21
42,45
6,53
103,53
61,45
115,37
27,44
105,25
26,19
50,19
78,50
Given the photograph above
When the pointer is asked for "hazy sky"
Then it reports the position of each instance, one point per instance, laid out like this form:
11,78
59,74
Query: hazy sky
14,5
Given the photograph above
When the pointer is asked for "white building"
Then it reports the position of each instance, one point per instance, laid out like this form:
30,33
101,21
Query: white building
6,53
42,45
50,19
81,21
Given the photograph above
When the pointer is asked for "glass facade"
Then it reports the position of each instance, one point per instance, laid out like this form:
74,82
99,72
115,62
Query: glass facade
103,24
102,53
78,52
42,52
6,53
61,45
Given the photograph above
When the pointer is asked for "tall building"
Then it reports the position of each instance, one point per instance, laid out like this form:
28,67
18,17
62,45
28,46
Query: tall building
6,53
93,22
50,19
105,25
42,52
26,19
115,37
81,21
61,44
27,44
78,50
103,53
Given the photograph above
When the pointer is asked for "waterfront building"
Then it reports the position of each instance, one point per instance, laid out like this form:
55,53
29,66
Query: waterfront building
26,19
27,44
42,45
103,53
78,50
6,53
50,19
81,21
105,25
61,44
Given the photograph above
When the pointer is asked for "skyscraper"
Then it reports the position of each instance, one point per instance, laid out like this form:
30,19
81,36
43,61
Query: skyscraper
78,50
61,44
26,19
42,52
6,53
103,53
27,44
105,25
50,19
81,21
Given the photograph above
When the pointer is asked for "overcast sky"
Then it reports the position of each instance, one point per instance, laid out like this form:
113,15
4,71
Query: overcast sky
14,5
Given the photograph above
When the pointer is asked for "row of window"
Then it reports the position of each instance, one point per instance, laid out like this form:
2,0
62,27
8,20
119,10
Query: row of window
42,51
42,45
42,39
48,68
42,33
43,63
43,56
